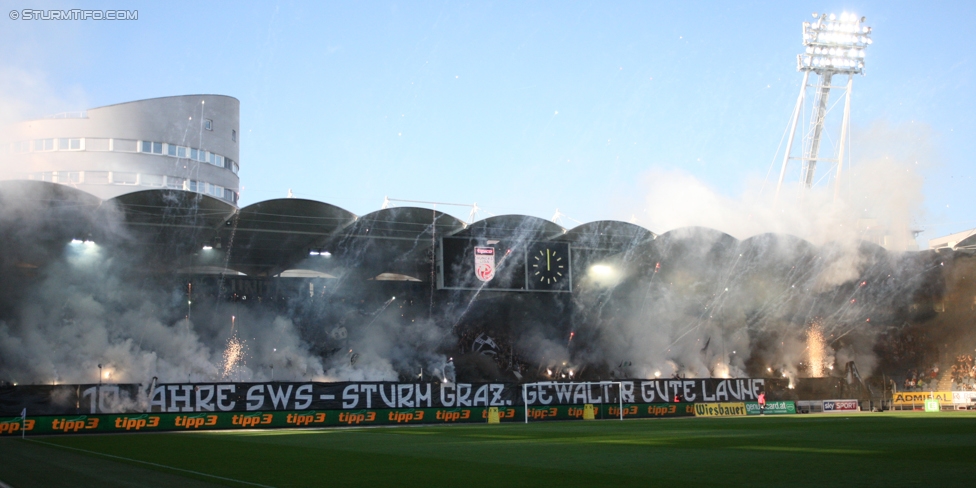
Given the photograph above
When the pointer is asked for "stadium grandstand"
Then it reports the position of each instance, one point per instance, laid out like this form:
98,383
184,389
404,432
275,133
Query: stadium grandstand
506,298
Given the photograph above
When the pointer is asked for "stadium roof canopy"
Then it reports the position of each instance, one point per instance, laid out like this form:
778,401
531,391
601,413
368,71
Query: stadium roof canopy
527,227
296,237
403,224
38,218
267,237
393,243
607,235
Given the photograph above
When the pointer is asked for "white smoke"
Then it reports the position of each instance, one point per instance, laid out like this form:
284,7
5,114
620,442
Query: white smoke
879,201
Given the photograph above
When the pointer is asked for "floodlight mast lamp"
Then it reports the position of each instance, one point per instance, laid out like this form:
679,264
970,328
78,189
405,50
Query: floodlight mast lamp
832,46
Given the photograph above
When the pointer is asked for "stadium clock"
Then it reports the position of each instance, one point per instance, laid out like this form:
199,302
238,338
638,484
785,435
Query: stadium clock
548,266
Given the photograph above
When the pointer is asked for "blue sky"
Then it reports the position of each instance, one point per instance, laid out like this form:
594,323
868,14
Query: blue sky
522,107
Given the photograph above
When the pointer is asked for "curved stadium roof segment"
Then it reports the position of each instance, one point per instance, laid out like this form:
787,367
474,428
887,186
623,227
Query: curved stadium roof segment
272,236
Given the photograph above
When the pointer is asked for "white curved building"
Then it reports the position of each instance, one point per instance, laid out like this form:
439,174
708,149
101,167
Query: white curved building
188,142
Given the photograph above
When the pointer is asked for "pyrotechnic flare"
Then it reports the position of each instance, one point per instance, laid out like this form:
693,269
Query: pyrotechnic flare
234,352
816,349
233,355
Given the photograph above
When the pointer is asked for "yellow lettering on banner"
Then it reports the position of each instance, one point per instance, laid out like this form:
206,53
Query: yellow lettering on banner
919,397
720,409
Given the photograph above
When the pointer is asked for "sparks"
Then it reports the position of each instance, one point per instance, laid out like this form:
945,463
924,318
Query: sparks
233,355
817,349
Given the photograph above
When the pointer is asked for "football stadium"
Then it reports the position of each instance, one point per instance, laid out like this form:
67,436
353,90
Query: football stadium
172,309
154,332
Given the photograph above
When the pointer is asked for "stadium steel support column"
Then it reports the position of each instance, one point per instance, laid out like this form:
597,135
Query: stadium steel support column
789,141
845,127
819,115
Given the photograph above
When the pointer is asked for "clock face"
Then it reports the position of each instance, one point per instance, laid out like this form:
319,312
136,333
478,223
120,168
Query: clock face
548,266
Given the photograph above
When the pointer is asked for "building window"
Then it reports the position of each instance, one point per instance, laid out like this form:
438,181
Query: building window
233,135
208,124
174,182
96,177
121,178
170,150
125,145
69,177
43,144
97,144
151,180
181,152
152,147
69,144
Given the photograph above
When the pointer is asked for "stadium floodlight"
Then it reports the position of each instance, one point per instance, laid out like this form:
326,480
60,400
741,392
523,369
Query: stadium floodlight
601,269
835,44
832,45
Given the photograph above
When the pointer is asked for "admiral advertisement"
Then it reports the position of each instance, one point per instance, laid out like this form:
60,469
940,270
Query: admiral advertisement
918,398
840,406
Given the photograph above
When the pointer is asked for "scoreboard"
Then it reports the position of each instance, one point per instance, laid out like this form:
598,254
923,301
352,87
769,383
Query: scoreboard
468,263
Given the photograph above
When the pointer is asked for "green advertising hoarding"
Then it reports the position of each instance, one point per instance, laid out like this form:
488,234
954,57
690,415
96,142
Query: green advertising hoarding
772,408
158,422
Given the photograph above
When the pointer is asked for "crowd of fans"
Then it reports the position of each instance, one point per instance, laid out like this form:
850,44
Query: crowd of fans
926,380
904,348
497,344
963,373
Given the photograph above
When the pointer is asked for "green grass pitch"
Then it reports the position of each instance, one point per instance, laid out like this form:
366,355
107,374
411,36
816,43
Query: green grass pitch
910,449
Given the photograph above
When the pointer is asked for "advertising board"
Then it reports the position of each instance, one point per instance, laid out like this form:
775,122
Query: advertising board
192,421
963,397
840,406
720,409
918,397
772,408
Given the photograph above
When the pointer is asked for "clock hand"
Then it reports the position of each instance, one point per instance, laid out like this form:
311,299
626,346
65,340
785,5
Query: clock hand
547,261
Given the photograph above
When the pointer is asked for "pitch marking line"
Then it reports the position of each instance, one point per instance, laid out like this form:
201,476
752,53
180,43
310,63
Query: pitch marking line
152,464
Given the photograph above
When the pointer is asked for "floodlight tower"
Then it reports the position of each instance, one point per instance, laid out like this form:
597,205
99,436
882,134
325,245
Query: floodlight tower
833,46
